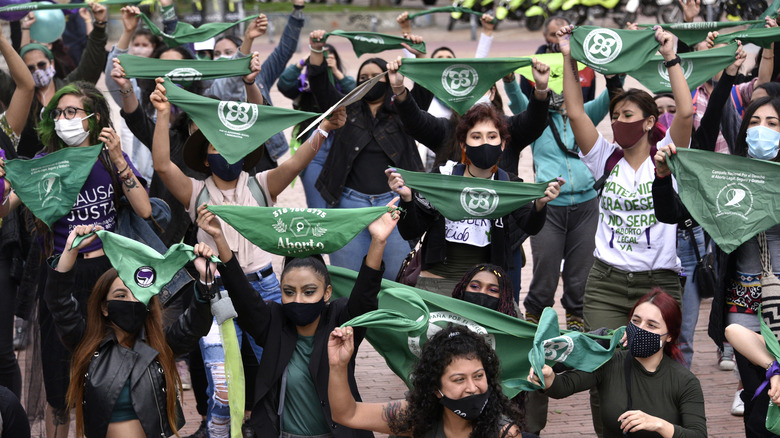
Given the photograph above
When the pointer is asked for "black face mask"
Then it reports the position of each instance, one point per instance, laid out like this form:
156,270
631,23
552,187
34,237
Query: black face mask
484,156
221,168
469,408
302,314
375,93
481,299
127,315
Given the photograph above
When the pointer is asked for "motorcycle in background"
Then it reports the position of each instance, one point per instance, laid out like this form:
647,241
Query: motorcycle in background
621,11
712,10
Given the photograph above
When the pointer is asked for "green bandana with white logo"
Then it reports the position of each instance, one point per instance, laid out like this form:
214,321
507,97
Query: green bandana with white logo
187,33
459,82
459,197
762,37
235,129
732,198
698,68
298,232
610,51
50,185
183,70
372,42
40,6
692,33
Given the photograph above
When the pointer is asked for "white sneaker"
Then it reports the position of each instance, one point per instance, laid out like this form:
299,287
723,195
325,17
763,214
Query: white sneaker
738,406
726,363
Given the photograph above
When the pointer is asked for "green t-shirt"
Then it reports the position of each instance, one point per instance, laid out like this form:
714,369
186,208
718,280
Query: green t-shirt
302,410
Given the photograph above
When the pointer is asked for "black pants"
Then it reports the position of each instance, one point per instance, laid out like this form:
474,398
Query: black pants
755,410
10,375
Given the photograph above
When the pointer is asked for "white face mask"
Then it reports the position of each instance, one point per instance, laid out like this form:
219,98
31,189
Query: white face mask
71,131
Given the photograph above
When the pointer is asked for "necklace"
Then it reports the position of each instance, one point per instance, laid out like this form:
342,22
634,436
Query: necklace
468,169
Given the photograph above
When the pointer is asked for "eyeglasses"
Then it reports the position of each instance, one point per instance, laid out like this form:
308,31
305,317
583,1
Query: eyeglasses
69,112
41,65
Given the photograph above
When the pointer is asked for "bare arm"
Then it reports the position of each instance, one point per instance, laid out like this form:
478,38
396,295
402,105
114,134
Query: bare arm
584,130
173,178
749,344
129,99
130,22
19,107
253,94
680,131
132,189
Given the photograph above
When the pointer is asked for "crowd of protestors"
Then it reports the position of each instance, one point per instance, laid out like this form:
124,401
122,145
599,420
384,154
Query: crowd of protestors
120,361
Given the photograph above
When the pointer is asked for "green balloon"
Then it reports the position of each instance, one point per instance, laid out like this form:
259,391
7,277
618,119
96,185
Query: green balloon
49,25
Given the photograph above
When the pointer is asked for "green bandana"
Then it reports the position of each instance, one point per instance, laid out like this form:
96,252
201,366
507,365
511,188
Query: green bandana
732,198
771,11
298,232
692,33
762,37
372,42
234,128
143,270
187,33
609,51
183,70
698,68
50,185
459,82
234,373
407,317
773,413
479,198
447,9
39,6
555,61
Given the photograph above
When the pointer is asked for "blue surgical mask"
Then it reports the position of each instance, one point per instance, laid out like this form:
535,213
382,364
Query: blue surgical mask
220,167
762,142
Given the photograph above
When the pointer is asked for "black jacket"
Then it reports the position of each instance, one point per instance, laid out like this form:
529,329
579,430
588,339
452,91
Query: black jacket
278,335
112,364
505,233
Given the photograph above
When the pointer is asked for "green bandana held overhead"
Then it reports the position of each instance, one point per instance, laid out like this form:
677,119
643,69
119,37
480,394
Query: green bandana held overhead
183,70
732,198
234,128
771,11
407,317
762,37
698,68
298,232
143,270
187,33
609,51
49,186
555,61
462,10
460,82
39,6
475,198
692,33
372,42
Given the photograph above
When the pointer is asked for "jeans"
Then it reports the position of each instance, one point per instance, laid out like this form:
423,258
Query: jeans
218,417
312,172
351,256
690,299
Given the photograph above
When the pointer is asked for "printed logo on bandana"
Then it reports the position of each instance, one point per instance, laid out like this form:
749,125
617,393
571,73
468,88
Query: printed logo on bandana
558,349
687,68
49,188
735,199
184,74
300,227
459,79
145,276
443,318
478,201
602,46
370,40
237,116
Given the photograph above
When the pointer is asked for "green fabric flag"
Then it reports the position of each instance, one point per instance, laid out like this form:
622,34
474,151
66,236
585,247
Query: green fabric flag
372,42
692,33
234,373
460,9
732,198
183,70
555,61
235,129
298,232
459,82
773,413
698,68
187,33
770,11
612,51
762,37
39,6
50,185
407,317
479,198
143,270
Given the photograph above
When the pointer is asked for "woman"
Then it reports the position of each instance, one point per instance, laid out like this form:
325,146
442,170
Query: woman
123,376
482,136
456,390
488,286
293,333
643,388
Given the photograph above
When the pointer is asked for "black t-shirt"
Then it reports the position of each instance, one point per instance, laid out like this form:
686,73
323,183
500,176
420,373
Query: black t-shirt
368,168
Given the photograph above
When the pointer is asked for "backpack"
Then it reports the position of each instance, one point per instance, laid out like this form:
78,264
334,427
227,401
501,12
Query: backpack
254,189
612,161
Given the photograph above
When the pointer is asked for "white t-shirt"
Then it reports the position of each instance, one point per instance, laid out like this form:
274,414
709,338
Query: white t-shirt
628,236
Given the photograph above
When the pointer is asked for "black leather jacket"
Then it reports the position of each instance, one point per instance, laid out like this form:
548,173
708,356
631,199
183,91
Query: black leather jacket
112,364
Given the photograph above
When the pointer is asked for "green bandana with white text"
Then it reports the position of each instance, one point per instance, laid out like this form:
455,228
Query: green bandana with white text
458,197
235,129
612,51
762,37
459,82
50,185
183,70
732,198
692,33
698,68
372,42
40,6
187,33
298,232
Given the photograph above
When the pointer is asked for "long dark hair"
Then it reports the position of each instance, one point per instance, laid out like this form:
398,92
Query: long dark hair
741,147
646,104
672,315
506,303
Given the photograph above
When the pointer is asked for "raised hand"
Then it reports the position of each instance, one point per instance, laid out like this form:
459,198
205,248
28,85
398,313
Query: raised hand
739,59
336,120
341,346
396,183
203,264
99,12
666,40
158,98
383,226
256,28
255,66
564,39
661,167
395,79
541,72
690,8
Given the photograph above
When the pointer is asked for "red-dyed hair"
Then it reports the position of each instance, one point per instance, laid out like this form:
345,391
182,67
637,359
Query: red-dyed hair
672,315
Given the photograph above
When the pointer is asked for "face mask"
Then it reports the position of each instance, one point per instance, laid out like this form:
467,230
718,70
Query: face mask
223,57
484,156
141,51
376,93
220,167
762,142
641,342
666,120
469,408
71,131
481,299
553,48
43,77
627,134
302,314
127,315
